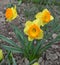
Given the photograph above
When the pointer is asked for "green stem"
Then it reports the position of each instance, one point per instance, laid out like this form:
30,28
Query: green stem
4,60
32,61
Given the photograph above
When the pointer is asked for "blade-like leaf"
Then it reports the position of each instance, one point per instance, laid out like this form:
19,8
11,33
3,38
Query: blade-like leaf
12,49
8,41
4,60
30,50
14,62
19,35
57,38
19,2
32,62
11,59
39,44
57,28
8,62
49,45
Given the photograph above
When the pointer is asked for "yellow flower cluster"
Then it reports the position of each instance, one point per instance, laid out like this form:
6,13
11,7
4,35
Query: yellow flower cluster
32,28
1,55
11,13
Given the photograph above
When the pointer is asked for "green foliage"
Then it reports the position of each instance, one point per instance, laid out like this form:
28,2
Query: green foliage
8,41
12,49
36,1
6,57
29,50
44,2
11,60
19,2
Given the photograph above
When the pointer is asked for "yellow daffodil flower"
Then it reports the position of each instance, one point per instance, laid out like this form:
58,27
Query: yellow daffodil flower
44,17
36,63
1,55
11,13
32,29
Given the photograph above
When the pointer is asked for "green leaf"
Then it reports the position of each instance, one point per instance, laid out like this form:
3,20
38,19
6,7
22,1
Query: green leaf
6,57
32,62
45,48
37,48
11,59
57,28
51,27
19,2
36,1
8,62
58,37
30,49
8,41
14,62
49,45
12,49
19,34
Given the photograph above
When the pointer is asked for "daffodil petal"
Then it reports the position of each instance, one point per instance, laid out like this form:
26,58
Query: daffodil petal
8,20
40,35
51,18
45,10
36,63
30,39
42,23
37,22
26,29
14,13
1,55
28,23
38,15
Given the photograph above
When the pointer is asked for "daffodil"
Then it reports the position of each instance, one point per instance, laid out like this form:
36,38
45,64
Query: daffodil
11,13
44,17
1,55
36,63
32,30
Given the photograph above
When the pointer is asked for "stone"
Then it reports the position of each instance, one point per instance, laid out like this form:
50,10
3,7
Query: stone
9,38
57,62
54,35
51,56
48,63
40,60
58,54
26,62
1,17
42,63
55,46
